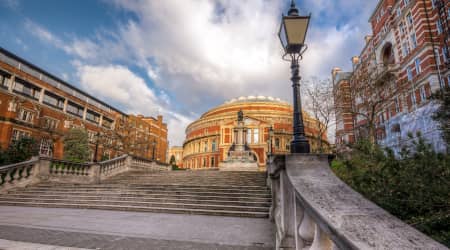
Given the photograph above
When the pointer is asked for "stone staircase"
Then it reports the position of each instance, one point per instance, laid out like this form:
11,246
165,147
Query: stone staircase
242,194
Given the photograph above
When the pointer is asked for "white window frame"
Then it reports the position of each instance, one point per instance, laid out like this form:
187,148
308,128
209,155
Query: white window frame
409,73
17,134
417,63
29,115
423,93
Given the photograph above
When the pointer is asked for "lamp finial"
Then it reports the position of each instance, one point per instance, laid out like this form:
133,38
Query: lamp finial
293,11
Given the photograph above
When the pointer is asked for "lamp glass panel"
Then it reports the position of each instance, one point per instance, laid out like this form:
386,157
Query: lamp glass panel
296,30
282,35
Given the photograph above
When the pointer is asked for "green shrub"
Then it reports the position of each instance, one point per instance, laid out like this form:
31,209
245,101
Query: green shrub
414,186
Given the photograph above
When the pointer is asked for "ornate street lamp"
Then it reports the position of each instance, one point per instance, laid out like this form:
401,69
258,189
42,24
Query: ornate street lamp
292,36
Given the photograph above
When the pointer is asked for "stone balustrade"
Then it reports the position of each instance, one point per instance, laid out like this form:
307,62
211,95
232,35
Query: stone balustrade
53,170
312,208
19,174
114,166
139,162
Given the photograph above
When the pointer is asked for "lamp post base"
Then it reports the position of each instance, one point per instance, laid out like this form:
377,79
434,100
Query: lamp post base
300,146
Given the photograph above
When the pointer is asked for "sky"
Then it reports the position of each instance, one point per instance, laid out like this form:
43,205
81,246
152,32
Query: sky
179,58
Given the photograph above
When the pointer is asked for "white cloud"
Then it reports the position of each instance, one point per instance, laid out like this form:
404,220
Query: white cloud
203,52
117,84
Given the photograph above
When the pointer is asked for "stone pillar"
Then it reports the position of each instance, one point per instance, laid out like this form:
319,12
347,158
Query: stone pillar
43,171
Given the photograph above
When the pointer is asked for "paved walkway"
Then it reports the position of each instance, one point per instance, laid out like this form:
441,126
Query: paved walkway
99,229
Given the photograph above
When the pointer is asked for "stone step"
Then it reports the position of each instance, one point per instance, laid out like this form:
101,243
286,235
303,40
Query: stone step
142,204
139,209
173,196
194,200
132,191
155,187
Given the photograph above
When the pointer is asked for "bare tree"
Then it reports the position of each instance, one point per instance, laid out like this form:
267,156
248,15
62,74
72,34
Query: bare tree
372,88
320,102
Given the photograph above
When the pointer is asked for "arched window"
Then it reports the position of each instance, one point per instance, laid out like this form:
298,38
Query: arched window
387,55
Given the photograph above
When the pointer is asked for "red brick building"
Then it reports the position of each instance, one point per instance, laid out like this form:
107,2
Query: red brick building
404,61
34,103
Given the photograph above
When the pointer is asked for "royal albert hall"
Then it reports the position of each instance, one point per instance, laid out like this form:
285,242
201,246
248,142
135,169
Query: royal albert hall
209,139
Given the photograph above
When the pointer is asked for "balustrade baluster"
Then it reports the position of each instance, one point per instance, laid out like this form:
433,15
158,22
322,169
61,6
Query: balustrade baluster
8,177
307,227
298,214
16,176
321,240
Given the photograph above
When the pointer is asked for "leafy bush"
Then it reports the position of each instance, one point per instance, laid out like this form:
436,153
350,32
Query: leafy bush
414,186
19,150
76,145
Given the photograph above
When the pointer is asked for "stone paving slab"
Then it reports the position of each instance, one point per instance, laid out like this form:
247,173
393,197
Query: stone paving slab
14,245
133,230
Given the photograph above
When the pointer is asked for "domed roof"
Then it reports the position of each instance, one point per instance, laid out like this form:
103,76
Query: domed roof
252,98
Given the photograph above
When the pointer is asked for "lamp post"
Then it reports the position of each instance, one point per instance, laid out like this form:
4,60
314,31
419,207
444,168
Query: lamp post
292,35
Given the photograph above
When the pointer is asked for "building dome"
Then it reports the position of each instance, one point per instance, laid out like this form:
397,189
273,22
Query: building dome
209,138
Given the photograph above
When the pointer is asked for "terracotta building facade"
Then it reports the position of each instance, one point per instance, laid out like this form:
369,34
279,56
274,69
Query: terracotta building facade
209,139
404,61
35,103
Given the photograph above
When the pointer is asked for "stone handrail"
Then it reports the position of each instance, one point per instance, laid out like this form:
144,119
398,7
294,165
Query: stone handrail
313,207
53,170
114,166
18,174
141,162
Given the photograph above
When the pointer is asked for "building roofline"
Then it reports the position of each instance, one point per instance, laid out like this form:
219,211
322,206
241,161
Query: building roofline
23,61
376,9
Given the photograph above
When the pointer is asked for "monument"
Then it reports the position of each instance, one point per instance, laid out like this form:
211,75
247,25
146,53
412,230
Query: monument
240,157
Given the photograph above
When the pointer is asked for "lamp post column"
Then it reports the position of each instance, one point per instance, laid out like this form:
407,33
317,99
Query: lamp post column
300,144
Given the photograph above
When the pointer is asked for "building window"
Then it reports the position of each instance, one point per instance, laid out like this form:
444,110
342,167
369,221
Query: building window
19,134
53,100
75,109
405,2
249,136
417,64
92,116
423,93
277,143
213,162
409,20
26,116
46,147
405,49
409,73
205,146
402,28
399,12
4,82
50,124
437,56
204,162
255,135
213,146
91,136
413,98
397,105
413,40
439,27
107,123
27,89
445,54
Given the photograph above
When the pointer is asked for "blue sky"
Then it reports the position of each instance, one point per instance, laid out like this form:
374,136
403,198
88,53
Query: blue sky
178,58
